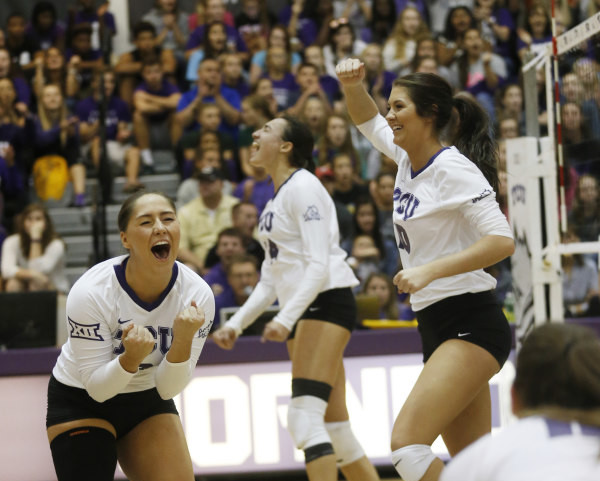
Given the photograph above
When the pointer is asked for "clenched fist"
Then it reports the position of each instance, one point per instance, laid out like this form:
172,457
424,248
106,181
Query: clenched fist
187,322
225,337
350,71
274,331
138,343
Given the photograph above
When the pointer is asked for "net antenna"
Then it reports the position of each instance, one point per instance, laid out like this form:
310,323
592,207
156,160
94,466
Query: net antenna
559,141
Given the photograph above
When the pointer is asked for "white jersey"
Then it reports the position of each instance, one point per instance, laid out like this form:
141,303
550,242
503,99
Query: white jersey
299,232
101,304
440,210
532,449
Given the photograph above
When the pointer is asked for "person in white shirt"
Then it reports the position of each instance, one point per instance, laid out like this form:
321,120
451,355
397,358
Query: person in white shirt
556,396
33,259
137,324
448,228
305,269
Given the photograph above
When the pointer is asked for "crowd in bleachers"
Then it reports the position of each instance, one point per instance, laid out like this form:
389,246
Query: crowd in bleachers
198,83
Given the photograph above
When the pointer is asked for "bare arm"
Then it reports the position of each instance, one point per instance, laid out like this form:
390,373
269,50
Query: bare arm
126,65
310,91
361,106
72,84
169,63
38,79
149,103
491,79
142,103
231,115
186,116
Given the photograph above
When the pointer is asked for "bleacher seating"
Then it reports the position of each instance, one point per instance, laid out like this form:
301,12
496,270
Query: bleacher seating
75,224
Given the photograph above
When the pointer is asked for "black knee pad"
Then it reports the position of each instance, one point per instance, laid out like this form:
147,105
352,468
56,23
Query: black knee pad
85,452
309,387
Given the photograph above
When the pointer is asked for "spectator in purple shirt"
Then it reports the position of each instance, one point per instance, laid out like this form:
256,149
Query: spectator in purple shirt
230,242
234,39
21,49
99,19
208,119
155,101
214,45
44,30
21,86
242,275
537,31
209,89
279,72
129,65
256,188
330,85
118,133
232,74
15,127
13,190
307,79
82,57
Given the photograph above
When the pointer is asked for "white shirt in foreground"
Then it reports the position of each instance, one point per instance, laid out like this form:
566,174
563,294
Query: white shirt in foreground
442,209
532,449
101,304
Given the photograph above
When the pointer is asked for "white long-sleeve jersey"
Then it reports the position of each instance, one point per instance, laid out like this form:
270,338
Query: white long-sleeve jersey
101,304
532,449
299,232
440,210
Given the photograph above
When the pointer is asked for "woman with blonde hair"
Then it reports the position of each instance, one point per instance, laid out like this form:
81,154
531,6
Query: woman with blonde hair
399,49
56,134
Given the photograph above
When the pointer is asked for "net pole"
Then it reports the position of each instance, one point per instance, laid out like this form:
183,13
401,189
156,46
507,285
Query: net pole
559,142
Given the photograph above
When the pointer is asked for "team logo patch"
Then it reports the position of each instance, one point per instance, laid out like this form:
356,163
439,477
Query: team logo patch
312,213
84,331
482,196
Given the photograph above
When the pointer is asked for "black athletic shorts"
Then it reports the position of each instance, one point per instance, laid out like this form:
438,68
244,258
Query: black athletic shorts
473,317
124,411
337,306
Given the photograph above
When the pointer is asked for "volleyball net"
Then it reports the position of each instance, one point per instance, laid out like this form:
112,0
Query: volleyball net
554,172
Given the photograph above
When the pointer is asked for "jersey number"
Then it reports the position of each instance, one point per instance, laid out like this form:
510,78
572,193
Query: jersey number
402,237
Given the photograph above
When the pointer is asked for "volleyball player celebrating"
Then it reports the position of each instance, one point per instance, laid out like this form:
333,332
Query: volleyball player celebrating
137,326
448,227
305,269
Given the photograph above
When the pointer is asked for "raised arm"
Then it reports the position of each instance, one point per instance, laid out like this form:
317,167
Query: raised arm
361,106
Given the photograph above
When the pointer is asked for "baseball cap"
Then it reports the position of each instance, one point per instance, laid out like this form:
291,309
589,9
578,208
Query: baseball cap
324,172
209,174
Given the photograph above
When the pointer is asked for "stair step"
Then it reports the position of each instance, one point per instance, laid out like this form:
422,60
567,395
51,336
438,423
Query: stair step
79,220
80,249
